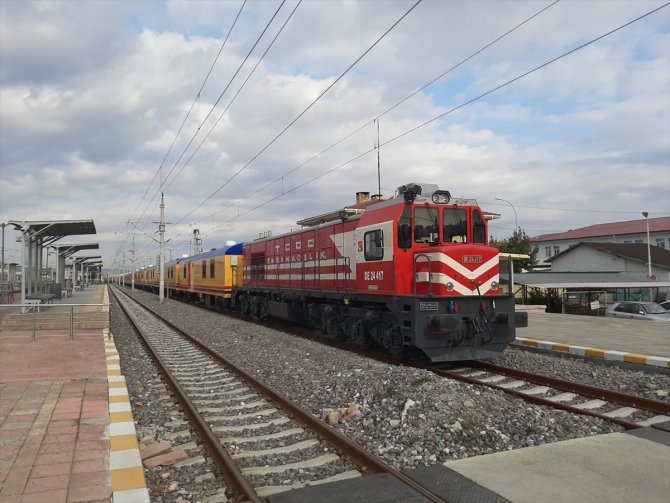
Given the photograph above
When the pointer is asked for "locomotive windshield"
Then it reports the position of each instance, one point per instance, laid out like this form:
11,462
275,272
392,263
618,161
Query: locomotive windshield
455,225
426,225
423,226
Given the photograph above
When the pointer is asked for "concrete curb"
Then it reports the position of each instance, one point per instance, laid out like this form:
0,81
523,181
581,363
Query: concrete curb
656,361
127,472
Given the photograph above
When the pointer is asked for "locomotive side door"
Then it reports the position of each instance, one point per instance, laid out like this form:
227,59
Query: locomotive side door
375,258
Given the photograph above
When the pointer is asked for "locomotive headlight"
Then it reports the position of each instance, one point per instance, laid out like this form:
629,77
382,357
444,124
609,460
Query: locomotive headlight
494,285
450,286
441,197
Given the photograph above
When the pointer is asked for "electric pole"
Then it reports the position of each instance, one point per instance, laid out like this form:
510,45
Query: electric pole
161,231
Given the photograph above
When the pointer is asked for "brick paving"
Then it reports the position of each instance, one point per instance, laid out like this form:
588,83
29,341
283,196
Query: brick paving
53,441
54,420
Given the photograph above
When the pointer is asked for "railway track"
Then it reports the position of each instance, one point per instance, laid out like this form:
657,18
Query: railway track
619,408
255,436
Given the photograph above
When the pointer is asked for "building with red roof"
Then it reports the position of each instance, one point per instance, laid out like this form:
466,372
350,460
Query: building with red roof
632,231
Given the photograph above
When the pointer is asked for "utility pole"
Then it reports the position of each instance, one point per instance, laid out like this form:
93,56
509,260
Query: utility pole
2,278
132,276
161,231
646,216
196,241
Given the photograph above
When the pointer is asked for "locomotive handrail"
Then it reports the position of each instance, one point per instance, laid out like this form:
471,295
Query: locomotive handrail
430,274
347,274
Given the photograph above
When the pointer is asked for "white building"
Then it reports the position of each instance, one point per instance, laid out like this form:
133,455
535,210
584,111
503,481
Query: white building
633,231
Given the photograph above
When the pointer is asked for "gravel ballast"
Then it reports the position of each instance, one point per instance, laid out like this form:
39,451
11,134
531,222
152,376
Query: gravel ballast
407,416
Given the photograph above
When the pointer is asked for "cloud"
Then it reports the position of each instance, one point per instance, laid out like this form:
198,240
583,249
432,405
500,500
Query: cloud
92,100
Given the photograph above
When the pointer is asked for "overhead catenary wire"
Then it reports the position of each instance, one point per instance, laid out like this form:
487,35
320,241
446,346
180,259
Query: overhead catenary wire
372,121
480,96
232,100
363,126
483,48
230,81
159,170
258,39
533,70
188,113
290,124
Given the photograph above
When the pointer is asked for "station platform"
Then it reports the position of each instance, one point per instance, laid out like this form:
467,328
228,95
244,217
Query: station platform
632,341
65,417
630,467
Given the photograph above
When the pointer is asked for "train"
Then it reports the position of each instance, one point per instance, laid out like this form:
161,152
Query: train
413,275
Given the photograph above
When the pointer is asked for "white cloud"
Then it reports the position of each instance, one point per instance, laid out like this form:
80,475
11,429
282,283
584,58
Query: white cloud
92,100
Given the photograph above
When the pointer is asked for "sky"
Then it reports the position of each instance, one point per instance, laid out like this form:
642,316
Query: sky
105,104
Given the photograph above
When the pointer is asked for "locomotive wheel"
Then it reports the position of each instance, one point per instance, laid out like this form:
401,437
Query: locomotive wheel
358,334
395,349
244,305
263,309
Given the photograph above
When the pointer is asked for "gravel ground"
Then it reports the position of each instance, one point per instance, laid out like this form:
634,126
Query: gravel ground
158,418
651,383
409,417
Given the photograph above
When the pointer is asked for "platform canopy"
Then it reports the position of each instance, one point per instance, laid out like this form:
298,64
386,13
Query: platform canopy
38,235
67,250
53,230
85,258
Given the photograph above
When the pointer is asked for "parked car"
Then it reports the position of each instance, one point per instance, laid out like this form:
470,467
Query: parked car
665,305
638,311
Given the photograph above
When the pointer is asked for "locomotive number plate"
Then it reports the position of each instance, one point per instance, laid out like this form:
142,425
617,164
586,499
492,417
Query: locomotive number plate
427,306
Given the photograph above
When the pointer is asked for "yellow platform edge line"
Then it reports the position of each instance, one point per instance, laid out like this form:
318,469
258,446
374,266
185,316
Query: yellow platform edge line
592,352
120,417
130,478
124,479
123,442
635,358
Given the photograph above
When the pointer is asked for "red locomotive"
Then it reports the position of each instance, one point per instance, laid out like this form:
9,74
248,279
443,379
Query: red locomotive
413,274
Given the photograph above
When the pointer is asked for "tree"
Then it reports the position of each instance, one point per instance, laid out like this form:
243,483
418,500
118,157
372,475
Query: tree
518,243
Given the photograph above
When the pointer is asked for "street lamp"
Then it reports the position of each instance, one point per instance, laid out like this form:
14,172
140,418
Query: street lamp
2,277
516,221
646,216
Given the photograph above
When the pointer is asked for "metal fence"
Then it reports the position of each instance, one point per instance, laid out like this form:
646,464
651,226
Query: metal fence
33,310
590,303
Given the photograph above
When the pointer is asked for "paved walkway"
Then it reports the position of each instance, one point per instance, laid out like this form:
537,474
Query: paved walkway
636,341
53,445
54,416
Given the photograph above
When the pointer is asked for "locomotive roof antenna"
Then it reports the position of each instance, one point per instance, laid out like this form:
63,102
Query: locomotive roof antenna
379,176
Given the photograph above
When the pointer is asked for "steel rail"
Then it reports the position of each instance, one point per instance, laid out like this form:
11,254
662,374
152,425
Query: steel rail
649,404
229,470
368,462
536,399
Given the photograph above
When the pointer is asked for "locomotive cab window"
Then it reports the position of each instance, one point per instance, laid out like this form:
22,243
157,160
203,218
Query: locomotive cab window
426,225
478,227
405,229
204,269
455,225
374,245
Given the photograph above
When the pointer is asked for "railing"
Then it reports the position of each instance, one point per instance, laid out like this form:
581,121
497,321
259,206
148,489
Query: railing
430,273
35,309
